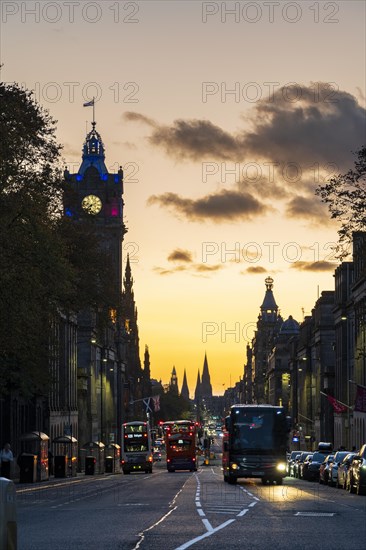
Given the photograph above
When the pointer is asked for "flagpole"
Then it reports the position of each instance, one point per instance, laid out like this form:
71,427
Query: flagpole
357,384
93,111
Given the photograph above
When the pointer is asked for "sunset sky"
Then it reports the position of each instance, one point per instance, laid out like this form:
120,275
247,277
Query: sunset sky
225,117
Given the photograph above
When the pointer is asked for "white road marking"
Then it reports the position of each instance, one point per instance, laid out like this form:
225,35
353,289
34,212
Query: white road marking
314,514
243,512
207,524
205,535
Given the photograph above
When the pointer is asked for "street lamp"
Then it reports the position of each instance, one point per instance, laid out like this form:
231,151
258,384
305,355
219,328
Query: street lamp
103,360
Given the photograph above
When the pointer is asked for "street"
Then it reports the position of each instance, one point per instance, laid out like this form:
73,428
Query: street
182,510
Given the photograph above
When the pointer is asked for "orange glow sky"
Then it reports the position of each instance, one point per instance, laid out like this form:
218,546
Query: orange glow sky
224,123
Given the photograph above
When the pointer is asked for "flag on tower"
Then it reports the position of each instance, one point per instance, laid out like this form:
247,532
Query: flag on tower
89,103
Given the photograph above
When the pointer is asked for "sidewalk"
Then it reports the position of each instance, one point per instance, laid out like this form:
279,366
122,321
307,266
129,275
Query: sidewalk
53,481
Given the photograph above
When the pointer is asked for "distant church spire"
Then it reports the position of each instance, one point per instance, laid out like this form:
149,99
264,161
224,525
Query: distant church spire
197,393
173,386
147,363
128,279
206,388
185,391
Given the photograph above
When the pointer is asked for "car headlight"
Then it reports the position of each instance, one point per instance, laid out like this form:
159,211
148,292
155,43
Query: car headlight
234,466
281,467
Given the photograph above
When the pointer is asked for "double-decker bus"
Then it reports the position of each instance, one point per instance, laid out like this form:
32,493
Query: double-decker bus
136,449
254,443
181,446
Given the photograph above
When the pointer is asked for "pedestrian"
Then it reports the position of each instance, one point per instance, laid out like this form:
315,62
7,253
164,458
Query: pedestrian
6,458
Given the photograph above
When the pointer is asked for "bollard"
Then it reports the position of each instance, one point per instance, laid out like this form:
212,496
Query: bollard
8,520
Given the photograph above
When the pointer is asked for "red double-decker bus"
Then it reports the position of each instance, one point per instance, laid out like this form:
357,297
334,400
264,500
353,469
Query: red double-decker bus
181,446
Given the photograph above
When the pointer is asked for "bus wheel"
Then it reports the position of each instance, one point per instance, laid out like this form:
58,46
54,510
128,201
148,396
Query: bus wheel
264,480
126,472
225,479
279,481
232,480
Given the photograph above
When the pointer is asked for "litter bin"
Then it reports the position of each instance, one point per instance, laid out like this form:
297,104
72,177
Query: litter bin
109,464
90,465
27,468
60,465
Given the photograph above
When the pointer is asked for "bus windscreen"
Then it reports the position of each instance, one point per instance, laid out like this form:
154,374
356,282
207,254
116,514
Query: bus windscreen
258,430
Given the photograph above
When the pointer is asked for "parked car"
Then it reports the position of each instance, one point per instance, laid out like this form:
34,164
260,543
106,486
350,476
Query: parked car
343,470
357,473
306,468
333,468
311,471
299,460
291,461
324,469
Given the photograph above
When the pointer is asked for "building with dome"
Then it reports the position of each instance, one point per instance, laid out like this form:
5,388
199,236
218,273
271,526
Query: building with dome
278,378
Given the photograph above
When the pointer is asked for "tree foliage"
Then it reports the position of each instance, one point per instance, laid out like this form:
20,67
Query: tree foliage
173,406
47,264
345,196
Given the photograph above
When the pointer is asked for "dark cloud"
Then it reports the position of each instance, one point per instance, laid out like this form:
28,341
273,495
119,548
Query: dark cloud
310,209
303,124
164,271
192,269
321,265
226,205
254,270
138,117
321,124
202,268
196,139
180,255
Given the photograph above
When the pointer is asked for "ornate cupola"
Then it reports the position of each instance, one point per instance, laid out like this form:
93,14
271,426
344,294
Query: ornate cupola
93,153
269,308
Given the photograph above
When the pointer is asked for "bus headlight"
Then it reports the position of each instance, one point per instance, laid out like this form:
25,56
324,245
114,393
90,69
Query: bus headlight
234,466
281,467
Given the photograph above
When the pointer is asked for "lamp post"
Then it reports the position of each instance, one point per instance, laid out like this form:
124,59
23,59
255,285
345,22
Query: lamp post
102,362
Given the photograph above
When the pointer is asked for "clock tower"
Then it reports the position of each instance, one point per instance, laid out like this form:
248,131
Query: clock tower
96,194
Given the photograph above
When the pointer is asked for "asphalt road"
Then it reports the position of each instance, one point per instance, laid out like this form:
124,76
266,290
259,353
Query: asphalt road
182,510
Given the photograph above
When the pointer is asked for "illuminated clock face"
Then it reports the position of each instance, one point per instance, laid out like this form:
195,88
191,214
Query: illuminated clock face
92,204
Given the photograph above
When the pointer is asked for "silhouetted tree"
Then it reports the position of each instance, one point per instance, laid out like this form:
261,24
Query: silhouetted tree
345,195
47,263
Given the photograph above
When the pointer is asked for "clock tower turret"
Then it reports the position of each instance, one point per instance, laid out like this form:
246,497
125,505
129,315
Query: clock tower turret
93,191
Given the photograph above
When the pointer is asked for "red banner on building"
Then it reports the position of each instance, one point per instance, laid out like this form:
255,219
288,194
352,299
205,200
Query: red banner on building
360,401
337,406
